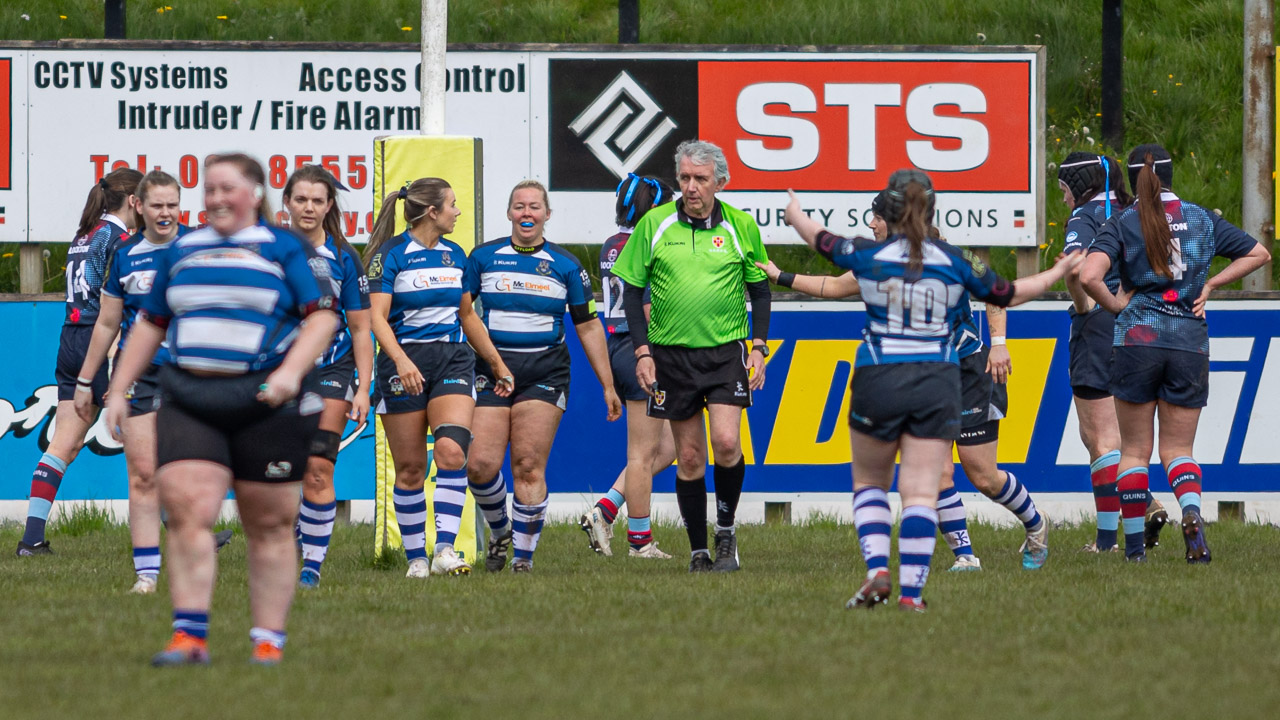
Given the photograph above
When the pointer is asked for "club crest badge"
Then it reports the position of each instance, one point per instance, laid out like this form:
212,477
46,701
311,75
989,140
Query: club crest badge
544,268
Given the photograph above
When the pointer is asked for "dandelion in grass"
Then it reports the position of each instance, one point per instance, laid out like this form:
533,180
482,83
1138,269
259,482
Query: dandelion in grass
407,28
64,17
1052,224
7,255
222,17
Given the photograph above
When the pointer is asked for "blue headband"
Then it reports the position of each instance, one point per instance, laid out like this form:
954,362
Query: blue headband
1106,171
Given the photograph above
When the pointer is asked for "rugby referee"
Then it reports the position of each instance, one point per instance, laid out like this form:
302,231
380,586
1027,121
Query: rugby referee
697,256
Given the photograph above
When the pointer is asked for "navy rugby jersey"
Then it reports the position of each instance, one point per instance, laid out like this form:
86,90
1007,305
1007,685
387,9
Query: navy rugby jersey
87,259
350,286
912,320
130,275
234,304
615,319
1082,228
1159,315
426,287
525,294
967,337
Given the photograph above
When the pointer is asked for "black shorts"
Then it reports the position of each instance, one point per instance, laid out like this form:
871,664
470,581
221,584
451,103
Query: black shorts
1145,374
73,346
690,379
542,375
338,379
984,402
917,399
447,368
144,393
622,360
220,420
1090,348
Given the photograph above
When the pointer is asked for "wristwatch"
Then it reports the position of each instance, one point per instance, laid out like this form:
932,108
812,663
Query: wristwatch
764,349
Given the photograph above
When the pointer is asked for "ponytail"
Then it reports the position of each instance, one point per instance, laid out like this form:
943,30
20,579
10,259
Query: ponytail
110,193
419,197
384,227
915,224
1151,218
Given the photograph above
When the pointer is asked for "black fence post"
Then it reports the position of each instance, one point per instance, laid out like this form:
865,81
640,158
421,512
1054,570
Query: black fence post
628,21
114,23
1113,74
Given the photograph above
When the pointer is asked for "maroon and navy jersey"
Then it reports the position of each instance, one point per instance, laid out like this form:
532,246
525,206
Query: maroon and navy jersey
87,269
615,320
1159,315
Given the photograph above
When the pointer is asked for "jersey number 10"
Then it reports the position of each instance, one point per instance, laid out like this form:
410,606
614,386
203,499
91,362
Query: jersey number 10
915,308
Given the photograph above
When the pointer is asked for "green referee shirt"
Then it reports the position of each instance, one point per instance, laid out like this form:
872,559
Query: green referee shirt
697,270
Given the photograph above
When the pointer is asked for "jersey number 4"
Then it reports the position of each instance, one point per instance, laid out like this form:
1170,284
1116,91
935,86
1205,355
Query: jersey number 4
915,308
1177,265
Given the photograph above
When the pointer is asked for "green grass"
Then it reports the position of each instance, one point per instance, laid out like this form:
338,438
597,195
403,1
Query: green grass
1183,85
585,635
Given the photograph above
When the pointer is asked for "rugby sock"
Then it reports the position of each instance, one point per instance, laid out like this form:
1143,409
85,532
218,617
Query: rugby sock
872,518
1184,477
917,534
1015,497
451,493
609,505
639,533
146,562
192,622
728,480
44,487
491,497
1134,494
315,525
953,522
526,522
274,638
1106,498
691,496
411,516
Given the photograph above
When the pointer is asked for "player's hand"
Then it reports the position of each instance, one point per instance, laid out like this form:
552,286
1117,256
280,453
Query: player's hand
359,407
793,211
771,270
117,411
1197,307
410,377
1122,299
755,370
647,375
84,404
999,364
613,403
279,388
506,382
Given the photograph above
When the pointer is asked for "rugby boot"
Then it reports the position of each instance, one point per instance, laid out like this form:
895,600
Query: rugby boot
875,590
598,531
495,556
915,605
700,562
1193,535
1157,518
40,548
183,649
726,551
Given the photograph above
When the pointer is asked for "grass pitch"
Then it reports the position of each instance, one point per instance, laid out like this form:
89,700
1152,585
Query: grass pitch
584,635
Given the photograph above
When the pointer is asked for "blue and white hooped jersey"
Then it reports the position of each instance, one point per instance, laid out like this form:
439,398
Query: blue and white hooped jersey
1159,314
350,286
912,320
1083,226
87,260
426,287
129,278
235,304
526,292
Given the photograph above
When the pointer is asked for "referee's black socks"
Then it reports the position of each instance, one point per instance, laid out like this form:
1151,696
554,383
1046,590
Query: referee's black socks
691,495
728,491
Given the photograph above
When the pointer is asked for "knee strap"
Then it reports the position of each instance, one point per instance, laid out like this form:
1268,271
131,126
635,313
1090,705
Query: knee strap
456,433
325,444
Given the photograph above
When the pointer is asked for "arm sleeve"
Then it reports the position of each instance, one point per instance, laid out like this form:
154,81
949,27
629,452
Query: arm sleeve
355,286
837,249
581,301
980,279
1230,241
761,307
633,300
99,256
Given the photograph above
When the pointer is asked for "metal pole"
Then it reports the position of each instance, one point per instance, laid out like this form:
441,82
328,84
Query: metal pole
114,20
435,26
628,21
1259,125
1113,74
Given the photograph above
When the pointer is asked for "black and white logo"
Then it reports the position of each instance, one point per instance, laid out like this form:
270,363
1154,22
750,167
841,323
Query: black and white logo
612,117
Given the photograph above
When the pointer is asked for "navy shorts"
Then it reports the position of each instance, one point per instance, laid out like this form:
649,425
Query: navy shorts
1145,374
542,375
338,379
984,402
690,379
73,346
144,393
917,399
622,360
220,420
447,368
1090,343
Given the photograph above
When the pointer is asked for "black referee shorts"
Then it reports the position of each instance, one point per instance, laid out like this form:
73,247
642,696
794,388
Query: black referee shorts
689,379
